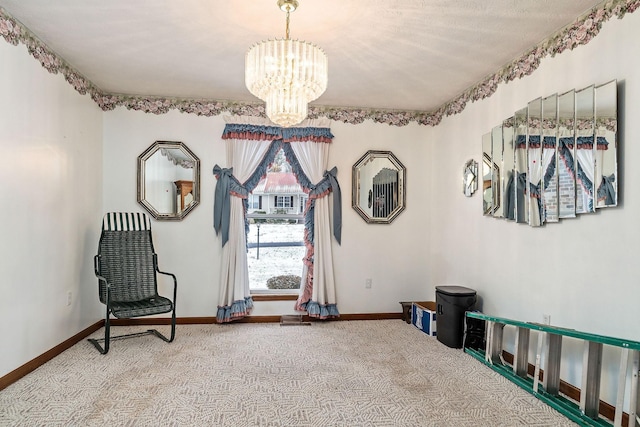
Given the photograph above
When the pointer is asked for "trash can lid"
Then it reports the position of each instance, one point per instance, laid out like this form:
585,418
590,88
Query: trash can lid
455,290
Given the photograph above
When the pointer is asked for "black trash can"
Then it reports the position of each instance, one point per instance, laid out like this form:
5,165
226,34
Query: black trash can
452,302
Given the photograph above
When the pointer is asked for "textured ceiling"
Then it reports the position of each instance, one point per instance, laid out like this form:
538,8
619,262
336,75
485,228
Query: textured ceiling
407,55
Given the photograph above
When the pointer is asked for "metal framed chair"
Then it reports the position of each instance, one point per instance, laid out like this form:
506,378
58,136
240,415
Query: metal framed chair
126,267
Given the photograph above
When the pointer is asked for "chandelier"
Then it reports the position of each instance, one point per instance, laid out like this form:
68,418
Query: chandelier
286,74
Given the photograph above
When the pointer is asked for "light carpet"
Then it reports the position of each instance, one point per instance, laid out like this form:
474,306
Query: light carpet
346,373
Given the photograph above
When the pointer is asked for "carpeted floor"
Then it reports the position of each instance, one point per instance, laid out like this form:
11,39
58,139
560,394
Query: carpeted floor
348,373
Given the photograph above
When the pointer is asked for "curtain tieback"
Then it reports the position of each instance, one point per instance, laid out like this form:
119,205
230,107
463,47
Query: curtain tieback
222,202
330,183
337,203
607,191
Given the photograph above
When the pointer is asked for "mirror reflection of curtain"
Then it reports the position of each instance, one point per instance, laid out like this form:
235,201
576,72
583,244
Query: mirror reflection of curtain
251,147
606,190
585,174
385,192
515,196
535,179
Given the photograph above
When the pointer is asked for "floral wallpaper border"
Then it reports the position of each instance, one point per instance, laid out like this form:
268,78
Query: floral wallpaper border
579,33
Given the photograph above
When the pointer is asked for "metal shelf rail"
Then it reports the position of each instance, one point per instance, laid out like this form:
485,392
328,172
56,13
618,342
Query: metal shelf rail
549,347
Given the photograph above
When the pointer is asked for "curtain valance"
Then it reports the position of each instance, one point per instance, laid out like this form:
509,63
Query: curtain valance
583,142
269,133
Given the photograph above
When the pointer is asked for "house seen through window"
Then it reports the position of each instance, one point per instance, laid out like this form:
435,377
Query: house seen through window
276,230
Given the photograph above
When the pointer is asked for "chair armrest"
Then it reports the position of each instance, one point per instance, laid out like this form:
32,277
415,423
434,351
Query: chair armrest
175,281
95,265
107,289
103,279
97,272
155,265
173,276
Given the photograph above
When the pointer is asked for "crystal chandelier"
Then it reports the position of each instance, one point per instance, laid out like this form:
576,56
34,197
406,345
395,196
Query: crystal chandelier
286,74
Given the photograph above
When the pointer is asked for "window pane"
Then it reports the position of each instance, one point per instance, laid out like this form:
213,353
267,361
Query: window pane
266,262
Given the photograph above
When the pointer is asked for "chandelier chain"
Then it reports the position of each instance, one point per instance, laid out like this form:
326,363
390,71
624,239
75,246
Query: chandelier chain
287,31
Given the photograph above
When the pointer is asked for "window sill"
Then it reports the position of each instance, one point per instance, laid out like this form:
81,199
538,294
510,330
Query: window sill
259,296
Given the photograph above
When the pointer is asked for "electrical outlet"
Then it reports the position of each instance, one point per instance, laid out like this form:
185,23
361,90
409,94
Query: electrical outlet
368,283
69,298
546,319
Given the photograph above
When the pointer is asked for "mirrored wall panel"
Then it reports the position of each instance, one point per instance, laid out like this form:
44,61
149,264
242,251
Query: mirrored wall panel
496,171
534,161
549,159
487,186
606,122
585,150
521,199
555,158
168,180
566,154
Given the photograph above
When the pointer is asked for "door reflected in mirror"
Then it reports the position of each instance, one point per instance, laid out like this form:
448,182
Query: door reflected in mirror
168,180
378,181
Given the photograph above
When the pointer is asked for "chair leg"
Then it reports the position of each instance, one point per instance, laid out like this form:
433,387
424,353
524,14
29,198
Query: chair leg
173,328
107,334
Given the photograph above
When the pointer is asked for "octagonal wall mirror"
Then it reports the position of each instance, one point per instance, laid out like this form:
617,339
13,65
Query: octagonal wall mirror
378,179
168,180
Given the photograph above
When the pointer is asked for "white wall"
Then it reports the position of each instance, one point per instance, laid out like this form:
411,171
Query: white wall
188,248
191,249
583,272
51,175
56,189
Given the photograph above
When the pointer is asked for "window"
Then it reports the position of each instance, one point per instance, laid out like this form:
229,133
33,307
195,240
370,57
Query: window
284,201
255,201
275,249
303,203
275,243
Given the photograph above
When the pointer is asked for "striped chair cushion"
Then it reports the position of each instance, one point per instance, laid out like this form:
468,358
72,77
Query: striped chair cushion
126,221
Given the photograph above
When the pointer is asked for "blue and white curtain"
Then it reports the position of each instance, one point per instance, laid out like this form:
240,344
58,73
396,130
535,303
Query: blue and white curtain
252,145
